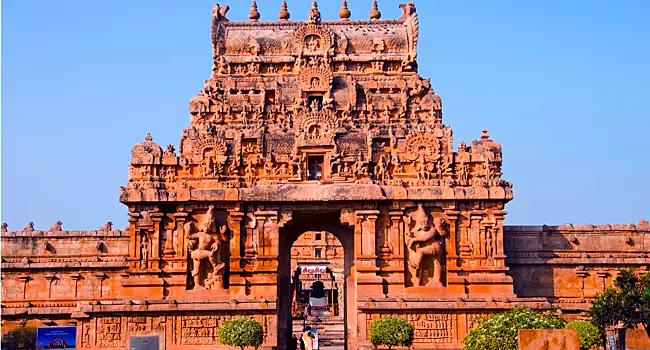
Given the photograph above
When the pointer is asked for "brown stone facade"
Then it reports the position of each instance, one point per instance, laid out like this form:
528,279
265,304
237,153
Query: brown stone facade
316,126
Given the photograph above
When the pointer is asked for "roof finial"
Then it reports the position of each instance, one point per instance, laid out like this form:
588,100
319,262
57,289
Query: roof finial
314,14
374,13
148,137
485,135
284,13
345,12
254,15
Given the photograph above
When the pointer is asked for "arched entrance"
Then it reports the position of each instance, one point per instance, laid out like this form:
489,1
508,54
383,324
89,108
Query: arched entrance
312,223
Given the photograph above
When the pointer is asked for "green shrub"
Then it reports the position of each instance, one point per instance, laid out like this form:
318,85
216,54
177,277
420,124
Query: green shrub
589,334
241,332
499,331
391,331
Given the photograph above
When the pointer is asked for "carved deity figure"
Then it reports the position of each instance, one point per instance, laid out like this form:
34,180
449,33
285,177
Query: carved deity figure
313,43
382,169
144,251
205,251
489,246
425,246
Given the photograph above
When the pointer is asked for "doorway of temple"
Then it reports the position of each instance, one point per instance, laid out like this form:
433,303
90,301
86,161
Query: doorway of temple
314,281
318,287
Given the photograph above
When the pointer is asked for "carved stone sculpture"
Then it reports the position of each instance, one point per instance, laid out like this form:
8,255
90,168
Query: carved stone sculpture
425,244
205,250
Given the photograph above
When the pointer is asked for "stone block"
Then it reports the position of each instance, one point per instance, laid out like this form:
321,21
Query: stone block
548,339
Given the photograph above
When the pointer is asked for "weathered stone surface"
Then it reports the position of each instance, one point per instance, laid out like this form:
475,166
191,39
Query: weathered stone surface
547,339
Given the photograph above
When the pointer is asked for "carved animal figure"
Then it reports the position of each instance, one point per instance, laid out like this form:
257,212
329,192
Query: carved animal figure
56,227
108,226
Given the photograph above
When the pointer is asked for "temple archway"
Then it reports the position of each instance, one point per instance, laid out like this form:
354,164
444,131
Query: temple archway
338,276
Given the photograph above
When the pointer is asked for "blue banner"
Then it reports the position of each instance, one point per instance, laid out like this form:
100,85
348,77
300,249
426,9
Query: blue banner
56,338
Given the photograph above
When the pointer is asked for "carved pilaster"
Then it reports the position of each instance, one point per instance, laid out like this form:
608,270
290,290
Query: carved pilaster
395,235
100,276
235,219
453,241
24,279
76,277
50,278
181,220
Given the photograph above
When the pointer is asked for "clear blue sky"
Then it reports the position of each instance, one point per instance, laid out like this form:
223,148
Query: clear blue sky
564,86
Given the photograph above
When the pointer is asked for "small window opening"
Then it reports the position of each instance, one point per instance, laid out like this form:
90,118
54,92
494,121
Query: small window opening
318,252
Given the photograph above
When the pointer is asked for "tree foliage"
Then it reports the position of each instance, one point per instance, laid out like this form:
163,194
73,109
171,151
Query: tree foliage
590,336
500,331
241,332
627,303
391,331
19,338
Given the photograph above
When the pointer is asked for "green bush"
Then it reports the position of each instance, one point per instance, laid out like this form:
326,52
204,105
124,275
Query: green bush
241,332
589,334
391,331
499,331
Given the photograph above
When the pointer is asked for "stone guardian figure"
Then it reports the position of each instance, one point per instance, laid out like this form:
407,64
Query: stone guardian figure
425,244
205,251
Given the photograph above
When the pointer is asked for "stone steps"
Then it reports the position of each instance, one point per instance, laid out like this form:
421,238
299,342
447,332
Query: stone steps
331,331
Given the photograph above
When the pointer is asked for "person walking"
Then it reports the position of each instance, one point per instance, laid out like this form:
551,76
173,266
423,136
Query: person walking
307,339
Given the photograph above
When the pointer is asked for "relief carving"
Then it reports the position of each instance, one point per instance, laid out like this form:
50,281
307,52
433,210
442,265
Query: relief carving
109,332
205,251
425,245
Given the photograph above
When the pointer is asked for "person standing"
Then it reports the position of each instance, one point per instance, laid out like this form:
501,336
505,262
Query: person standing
307,339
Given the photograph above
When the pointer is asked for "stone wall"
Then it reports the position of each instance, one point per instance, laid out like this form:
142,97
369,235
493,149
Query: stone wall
570,264
62,265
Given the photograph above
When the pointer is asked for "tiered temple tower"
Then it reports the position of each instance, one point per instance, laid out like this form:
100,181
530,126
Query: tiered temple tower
326,123
303,126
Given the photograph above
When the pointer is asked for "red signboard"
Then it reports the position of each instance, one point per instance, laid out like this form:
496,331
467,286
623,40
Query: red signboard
313,270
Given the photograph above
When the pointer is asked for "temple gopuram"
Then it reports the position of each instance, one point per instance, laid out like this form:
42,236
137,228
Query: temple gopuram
309,126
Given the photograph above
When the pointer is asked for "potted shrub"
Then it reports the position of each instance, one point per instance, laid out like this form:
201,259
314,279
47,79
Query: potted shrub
391,331
241,332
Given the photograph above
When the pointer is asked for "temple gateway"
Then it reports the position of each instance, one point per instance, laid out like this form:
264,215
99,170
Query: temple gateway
317,127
